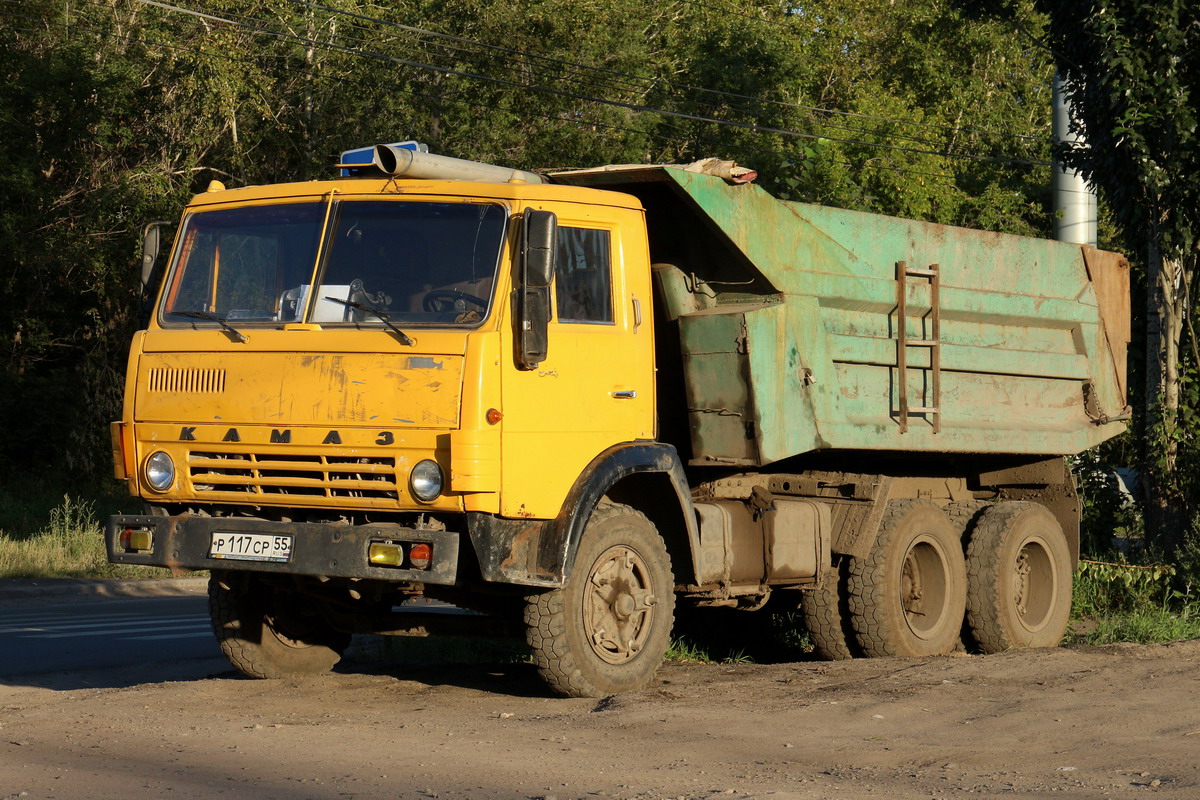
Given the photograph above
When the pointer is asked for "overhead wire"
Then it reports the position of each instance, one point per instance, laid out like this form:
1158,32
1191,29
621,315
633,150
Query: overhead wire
259,26
592,123
546,90
459,42
662,82
581,122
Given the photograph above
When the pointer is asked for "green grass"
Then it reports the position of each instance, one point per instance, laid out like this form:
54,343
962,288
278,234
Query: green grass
1143,626
685,650
1118,602
728,636
61,540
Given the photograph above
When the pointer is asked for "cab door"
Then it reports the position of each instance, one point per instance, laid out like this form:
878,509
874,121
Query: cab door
595,387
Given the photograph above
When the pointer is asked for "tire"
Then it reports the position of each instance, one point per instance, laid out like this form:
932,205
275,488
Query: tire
607,629
269,635
826,614
963,515
908,596
1018,578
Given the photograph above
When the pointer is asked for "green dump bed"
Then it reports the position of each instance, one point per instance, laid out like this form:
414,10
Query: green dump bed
806,328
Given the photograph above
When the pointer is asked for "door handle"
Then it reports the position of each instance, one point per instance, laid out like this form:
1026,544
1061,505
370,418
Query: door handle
625,394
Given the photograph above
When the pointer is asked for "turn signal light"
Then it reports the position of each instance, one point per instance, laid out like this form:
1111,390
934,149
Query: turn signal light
419,555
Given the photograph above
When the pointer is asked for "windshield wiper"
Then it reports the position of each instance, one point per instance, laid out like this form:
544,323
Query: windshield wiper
241,337
405,339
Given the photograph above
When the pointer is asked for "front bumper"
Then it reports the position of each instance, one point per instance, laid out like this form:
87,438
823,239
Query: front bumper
318,549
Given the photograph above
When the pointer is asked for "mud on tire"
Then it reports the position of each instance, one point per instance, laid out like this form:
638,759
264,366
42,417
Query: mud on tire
826,614
607,629
908,595
268,635
1019,573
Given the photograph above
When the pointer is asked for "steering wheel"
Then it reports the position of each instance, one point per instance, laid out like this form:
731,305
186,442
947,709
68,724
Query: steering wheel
444,299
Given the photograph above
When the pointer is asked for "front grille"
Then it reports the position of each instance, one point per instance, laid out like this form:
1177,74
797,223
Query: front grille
186,380
260,475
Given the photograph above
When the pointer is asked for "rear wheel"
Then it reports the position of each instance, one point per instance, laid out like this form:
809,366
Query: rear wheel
908,596
1018,578
963,515
827,616
607,629
266,634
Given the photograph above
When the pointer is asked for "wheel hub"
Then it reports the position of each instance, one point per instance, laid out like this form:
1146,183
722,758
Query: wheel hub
923,587
1021,582
618,606
1034,588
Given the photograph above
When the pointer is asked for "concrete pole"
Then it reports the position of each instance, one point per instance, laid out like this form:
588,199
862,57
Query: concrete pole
1074,200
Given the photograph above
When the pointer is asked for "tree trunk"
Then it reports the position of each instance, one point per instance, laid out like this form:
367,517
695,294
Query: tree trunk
1167,510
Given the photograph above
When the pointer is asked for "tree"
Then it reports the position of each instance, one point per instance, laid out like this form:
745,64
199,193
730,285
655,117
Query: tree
115,112
1132,69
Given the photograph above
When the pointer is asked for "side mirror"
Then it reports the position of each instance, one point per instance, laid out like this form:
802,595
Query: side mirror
151,246
151,272
539,243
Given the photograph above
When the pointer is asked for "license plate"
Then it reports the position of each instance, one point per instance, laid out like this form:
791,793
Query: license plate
251,546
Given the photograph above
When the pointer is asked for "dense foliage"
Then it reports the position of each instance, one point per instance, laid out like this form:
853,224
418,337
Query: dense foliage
115,111
1133,73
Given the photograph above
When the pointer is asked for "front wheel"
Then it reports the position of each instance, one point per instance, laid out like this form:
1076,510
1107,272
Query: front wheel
908,596
1019,578
607,629
265,634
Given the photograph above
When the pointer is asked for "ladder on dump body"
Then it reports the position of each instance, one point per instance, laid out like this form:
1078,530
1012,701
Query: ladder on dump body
932,409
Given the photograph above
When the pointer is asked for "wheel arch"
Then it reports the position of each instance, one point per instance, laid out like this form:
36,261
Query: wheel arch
655,495
647,476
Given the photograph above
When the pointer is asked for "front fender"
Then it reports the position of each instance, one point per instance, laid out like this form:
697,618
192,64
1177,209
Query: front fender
542,552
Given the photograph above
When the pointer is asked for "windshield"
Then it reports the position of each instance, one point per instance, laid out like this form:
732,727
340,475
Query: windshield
406,262
237,263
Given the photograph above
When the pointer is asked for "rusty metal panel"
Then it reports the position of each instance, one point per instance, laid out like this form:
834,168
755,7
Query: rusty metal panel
1109,273
391,390
717,381
1025,359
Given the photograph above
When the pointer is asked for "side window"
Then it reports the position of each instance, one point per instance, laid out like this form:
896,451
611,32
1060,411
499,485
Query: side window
583,276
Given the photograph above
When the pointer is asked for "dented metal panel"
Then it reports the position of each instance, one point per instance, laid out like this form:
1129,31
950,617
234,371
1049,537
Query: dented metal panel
802,353
381,389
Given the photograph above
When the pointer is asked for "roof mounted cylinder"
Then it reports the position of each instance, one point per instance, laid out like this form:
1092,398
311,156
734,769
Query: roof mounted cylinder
398,162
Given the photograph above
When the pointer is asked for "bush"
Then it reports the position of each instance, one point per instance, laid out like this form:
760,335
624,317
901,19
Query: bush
1122,602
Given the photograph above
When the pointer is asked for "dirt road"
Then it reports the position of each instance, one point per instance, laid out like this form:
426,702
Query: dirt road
1115,721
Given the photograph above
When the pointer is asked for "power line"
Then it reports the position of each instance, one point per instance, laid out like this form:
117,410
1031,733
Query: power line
129,38
658,81
648,84
259,26
636,107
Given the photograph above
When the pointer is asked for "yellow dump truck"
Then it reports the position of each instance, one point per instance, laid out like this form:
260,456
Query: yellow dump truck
571,401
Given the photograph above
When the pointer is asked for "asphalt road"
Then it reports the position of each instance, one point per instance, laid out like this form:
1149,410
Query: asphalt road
83,636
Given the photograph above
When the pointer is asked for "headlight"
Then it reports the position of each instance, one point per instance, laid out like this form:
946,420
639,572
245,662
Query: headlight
159,471
426,481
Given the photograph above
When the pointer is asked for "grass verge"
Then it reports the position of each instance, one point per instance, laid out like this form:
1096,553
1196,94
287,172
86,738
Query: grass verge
1119,602
62,541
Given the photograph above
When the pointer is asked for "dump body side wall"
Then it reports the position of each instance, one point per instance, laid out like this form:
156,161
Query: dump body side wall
1029,360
